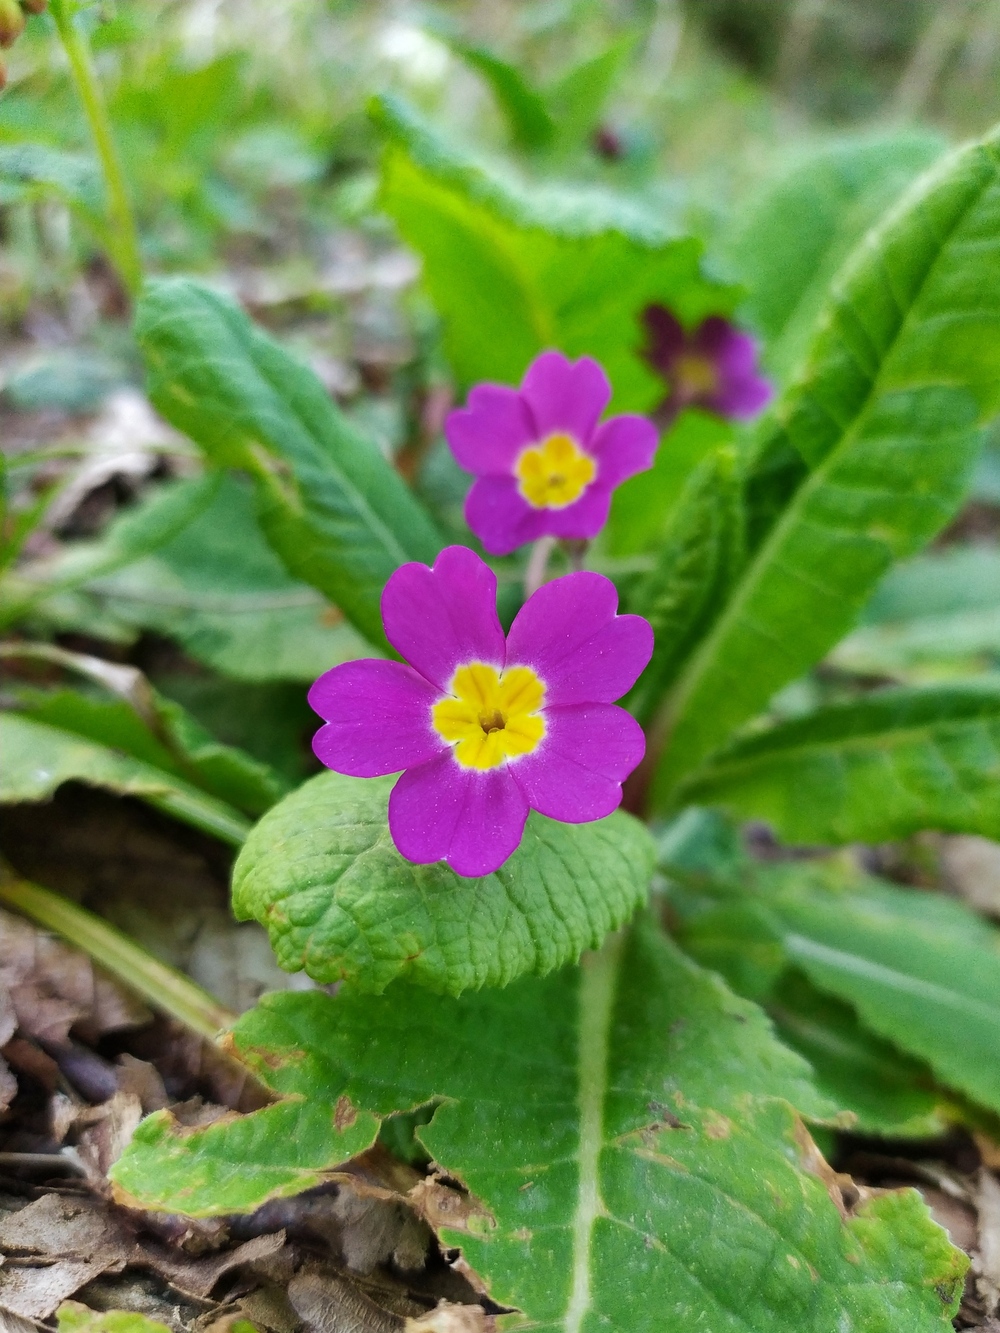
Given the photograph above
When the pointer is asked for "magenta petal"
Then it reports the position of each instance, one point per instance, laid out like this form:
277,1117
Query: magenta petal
623,446
576,773
487,435
666,338
439,618
583,519
443,812
565,395
378,718
501,518
569,633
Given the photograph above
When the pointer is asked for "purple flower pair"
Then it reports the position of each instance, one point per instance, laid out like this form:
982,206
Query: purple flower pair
485,728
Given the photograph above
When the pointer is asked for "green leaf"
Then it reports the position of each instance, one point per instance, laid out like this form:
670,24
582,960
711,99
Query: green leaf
890,1094
513,271
32,170
333,508
693,573
37,759
134,533
222,593
321,873
578,96
897,762
922,971
644,507
528,118
73,1317
169,739
788,243
631,1136
906,360
935,612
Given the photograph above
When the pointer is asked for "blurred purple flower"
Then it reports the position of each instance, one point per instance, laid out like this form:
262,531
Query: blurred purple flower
713,367
543,465
485,729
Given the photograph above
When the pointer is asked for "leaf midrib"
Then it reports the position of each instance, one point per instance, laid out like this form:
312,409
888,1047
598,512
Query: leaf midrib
898,737
707,652
598,983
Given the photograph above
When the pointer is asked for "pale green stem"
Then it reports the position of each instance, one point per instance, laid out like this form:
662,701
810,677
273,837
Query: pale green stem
123,228
538,563
166,989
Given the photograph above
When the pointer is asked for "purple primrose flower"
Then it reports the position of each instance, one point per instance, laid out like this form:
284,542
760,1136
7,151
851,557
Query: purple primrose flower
714,367
485,729
543,465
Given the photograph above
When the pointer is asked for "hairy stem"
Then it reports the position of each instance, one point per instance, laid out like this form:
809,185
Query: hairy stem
123,229
166,989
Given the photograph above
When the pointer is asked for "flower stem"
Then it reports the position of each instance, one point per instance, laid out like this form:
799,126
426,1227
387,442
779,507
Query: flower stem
538,563
124,237
170,991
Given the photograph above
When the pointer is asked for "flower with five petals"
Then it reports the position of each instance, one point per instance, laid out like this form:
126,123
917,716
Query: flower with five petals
483,727
544,464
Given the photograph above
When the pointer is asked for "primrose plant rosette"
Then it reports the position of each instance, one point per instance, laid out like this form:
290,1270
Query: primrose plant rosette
544,464
481,727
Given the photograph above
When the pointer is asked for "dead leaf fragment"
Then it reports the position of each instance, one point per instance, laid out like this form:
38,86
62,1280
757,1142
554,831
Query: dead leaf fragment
326,1302
449,1318
65,1241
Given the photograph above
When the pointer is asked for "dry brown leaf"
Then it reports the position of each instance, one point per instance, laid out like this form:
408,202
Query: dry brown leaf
54,987
63,1242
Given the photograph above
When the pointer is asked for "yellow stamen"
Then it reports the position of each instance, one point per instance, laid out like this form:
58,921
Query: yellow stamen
554,473
491,717
696,375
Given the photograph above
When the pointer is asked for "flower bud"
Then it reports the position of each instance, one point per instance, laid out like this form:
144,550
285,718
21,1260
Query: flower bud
34,6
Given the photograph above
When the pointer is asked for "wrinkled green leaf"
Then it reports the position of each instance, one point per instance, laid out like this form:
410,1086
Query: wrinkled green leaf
921,971
631,1137
788,243
906,361
321,873
933,612
513,271
37,759
221,592
332,507
73,1317
897,762
693,573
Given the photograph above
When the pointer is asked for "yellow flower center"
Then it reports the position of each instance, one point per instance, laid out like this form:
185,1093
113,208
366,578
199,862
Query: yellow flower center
696,375
554,473
492,717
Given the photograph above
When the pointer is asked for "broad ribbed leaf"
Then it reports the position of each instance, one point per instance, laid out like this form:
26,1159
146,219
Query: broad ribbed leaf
893,764
693,573
38,758
631,1136
333,508
935,611
321,873
513,271
789,241
921,971
906,361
